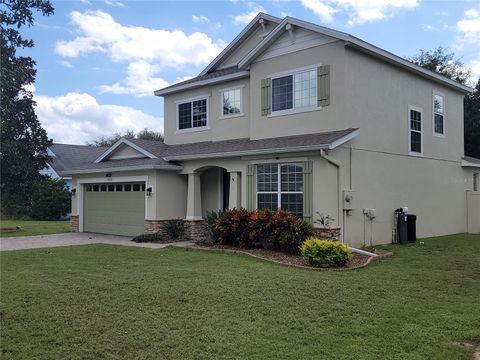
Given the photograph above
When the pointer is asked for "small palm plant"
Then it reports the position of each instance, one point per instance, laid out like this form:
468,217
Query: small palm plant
324,220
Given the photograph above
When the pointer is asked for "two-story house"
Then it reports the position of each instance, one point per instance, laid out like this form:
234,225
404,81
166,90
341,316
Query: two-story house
297,116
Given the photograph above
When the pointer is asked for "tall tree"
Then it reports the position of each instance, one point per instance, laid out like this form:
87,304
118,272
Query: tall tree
472,123
23,140
443,62
145,134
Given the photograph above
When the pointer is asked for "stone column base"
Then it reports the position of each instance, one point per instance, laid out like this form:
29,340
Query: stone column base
330,233
194,230
74,223
154,226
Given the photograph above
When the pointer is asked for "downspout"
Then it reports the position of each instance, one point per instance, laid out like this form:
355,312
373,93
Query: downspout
324,155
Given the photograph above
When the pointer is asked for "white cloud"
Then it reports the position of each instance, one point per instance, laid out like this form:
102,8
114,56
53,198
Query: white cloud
99,32
200,19
65,63
183,78
245,18
114,3
322,10
474,64
358,11
469,26
85,2
140,81
76,118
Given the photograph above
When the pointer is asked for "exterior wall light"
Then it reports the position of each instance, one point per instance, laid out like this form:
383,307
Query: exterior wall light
149,191
73,191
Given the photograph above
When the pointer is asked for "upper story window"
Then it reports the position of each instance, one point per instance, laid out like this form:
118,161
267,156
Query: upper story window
232,102
192,114
416,132
438,114
294,91
475,182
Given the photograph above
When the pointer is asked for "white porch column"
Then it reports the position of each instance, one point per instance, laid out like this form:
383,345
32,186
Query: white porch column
235,190
194,197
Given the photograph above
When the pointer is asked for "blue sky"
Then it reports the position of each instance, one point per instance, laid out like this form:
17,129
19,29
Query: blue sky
100,61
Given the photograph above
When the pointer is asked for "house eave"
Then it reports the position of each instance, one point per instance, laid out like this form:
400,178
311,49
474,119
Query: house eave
468,164
122,169
196,84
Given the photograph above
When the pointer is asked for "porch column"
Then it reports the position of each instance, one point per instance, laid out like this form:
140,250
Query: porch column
235,188
194,197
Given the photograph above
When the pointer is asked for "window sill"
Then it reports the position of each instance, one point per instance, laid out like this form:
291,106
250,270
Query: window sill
415,154
294,111
192,130
438,135
226,117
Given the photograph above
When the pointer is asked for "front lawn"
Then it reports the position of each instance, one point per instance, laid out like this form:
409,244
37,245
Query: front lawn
112,302
32,227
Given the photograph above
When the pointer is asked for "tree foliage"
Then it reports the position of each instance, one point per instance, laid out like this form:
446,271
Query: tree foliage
145,134
24,141
472,123
443,62
51,199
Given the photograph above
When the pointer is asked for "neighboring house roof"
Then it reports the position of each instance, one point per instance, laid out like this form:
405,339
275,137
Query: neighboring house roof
280,28
69,156
469,161
78,159
243,147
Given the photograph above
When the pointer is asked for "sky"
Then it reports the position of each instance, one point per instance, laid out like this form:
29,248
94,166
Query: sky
99,61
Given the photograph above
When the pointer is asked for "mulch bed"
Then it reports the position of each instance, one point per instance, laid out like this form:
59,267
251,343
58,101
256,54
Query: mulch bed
10,229
357,261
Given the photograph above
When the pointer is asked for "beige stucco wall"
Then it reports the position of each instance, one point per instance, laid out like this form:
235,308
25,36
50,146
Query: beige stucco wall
123,152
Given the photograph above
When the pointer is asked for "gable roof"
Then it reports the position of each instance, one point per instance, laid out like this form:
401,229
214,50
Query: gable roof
349,40
79,159
353,42
126,142
234,44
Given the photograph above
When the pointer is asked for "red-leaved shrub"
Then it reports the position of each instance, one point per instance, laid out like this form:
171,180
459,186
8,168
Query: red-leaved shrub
276,230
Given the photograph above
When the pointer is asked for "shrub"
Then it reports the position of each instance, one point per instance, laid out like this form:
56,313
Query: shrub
232,227
148,237
174,228
211,234
50,200
325,253
279,230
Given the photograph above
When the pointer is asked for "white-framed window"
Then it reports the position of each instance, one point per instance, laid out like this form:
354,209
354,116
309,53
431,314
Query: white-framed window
438,114
415,138
475,182
192,114
280,186
297,90
231,102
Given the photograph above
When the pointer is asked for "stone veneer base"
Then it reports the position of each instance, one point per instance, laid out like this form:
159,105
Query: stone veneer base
74,223
330,233
193,228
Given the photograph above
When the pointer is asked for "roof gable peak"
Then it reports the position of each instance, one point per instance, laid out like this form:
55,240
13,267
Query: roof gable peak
135,151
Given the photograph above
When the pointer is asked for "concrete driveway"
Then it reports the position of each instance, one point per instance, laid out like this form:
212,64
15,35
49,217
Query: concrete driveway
71,239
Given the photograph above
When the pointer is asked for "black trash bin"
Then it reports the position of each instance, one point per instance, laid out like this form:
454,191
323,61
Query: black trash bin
412,228
402,228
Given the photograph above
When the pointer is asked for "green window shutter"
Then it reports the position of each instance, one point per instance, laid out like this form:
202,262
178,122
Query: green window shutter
251,187
323,85
308,191
266,94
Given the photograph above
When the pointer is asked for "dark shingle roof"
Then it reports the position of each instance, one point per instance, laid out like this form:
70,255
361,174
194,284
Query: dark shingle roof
77,158
211,75
240,147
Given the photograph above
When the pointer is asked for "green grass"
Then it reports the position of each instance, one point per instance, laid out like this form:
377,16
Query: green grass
32,227
107,302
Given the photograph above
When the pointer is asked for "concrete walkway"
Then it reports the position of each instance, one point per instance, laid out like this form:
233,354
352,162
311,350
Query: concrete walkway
71,239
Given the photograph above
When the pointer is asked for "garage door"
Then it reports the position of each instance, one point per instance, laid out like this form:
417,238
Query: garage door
117,208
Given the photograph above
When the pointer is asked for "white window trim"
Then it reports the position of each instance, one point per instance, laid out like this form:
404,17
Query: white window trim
435,92
410,152
241,113
476,181
279,191
192,129
293,110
